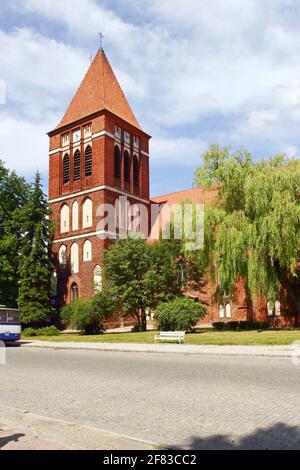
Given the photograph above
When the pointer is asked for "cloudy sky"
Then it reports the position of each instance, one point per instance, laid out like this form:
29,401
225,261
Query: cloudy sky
196,72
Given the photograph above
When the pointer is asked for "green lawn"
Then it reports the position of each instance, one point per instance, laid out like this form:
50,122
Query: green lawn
271,337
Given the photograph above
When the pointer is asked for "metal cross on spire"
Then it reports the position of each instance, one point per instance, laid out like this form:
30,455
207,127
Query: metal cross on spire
101,37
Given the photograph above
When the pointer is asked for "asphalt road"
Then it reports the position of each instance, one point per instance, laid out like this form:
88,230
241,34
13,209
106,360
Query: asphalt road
182,401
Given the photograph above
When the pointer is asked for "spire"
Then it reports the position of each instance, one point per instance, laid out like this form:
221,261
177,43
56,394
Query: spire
99,90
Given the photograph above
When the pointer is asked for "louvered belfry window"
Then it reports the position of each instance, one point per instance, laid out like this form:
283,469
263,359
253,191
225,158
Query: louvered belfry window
127,167
136,170
77,165
66,169
88,161
117,163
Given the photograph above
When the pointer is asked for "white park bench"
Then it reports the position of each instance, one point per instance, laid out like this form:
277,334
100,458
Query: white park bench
178,336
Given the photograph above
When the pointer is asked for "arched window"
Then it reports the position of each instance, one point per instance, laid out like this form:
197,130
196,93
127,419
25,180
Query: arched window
97,279
228,310
62,255
117,163
136,170
88,161
87,214
277,308
74,291
87,251
126,167
75,258
77,172
221,311
54,285
75,214
270,308
66,169
64,219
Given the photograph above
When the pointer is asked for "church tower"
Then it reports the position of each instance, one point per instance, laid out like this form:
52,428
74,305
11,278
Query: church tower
98,152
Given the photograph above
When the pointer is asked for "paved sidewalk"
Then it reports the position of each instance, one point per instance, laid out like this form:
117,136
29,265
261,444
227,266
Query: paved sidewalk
194,350
27,431
14,439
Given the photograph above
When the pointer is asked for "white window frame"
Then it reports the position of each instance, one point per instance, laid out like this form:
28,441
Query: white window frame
65,219
87,251
87,213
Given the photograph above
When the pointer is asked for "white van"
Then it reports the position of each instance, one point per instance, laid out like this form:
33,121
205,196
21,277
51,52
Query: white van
10,325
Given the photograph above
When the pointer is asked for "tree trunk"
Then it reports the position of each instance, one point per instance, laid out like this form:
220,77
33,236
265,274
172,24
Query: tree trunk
143,320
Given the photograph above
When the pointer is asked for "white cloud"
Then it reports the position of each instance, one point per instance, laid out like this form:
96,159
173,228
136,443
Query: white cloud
258,121
188,62
24,146
176,151
290,151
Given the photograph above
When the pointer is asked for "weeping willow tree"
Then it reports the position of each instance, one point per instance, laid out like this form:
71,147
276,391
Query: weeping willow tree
252,230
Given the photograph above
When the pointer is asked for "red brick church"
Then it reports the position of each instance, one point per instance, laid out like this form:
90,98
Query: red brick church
98,152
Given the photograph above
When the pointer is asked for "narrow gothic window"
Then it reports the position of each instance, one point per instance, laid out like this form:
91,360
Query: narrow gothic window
65,219
74,291
77,165
88,161
228,311
221,311
62,256
97,279
277,308
87,214
87,251
117,163
66,169
126,167
75,258
75,214
270,308
136,170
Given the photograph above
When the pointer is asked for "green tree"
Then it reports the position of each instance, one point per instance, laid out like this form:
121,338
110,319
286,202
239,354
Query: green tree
14,193
252,230
36,268
180,314
133,279
89,316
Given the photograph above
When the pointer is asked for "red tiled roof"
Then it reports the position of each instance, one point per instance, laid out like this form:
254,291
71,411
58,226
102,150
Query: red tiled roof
203,196
99,90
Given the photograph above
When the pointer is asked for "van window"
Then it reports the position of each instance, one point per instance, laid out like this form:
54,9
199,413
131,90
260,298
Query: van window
3,318
13,317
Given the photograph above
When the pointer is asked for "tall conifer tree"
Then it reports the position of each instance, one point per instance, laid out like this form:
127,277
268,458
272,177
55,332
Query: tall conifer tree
36,268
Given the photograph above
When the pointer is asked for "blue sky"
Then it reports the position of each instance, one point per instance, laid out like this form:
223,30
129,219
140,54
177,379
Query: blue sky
196,72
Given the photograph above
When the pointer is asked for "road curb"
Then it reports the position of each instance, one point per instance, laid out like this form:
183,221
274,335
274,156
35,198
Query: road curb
185,350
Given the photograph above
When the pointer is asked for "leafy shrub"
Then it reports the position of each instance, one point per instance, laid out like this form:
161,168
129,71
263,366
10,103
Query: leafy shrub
66,315
233,325
46,331
88,316
220,326
49,331
30,332
181,314
241,326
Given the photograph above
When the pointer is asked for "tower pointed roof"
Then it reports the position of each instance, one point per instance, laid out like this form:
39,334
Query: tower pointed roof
99,90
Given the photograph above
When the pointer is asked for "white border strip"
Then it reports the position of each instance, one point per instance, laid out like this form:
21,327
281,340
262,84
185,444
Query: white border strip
55,151
98,188
145,153
100,134
84,235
